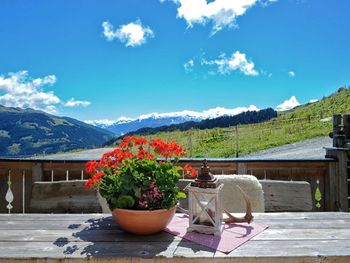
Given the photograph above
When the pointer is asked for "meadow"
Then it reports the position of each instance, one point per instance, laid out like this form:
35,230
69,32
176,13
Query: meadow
304,122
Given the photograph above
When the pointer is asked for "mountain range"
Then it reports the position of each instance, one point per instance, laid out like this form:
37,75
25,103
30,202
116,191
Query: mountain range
125,125
246,117
26,132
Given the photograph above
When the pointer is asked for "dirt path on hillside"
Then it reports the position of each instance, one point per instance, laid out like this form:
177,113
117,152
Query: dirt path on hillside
311,148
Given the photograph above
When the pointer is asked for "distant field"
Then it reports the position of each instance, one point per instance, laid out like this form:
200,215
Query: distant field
303,122
223,142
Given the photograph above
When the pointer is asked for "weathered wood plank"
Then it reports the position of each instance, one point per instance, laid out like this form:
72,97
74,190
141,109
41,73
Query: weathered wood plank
304,234
51,217
268,216
83,235
108,224
60,250
287,195
20,165
258,216
284,164
118,235
314,248
283,259
293,248
62,197
192,260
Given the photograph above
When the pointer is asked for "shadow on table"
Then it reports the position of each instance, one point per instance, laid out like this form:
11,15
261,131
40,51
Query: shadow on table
186,247
245,231
232,236
102,237
192,242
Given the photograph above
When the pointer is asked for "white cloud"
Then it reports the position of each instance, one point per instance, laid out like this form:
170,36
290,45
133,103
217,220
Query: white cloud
237,61
266,3
51,109
265,73
19,90
221,13
291,74
73,103
206,114
189,65
288,104
48,80
132,34
313,100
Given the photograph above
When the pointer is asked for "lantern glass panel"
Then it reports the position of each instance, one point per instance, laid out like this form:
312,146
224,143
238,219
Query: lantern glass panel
204,207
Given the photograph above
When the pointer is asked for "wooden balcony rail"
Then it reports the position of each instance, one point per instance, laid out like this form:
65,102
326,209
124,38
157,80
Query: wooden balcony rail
18,175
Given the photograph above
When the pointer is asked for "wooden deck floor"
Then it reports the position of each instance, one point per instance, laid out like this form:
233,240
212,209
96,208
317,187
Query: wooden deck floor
291,237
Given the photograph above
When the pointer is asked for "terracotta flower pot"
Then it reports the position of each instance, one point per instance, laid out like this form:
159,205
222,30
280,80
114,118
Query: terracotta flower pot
143,222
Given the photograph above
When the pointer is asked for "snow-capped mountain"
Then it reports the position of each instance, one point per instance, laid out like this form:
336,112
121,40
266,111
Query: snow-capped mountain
124,125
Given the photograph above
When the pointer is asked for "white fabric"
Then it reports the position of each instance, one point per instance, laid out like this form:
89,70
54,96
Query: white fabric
233,200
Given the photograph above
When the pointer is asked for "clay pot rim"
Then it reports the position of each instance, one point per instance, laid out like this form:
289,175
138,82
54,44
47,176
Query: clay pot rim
144,211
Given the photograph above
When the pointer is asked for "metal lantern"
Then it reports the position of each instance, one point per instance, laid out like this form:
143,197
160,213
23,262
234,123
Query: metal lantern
205,203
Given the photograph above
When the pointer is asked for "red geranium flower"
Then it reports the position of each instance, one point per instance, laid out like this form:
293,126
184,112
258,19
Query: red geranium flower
190,171
131,177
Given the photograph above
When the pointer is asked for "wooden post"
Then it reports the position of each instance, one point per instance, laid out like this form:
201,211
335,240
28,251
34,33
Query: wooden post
338,173
37,172
336,124
346,122
337,136
330,184
342,181
242,168
23,191
337,181
190,144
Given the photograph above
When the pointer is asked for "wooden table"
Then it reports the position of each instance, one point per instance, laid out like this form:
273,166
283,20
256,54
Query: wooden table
291,237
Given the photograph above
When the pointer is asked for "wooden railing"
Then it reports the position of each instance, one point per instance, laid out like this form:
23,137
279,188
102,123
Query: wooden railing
316,172
22,173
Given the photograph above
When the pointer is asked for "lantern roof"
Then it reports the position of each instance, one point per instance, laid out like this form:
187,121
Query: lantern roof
205,179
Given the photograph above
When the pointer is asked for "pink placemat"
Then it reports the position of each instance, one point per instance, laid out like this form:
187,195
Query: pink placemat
232,237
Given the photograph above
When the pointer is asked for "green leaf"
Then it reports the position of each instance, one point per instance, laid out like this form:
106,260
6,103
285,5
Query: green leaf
181,195
137,191
125,201
114,202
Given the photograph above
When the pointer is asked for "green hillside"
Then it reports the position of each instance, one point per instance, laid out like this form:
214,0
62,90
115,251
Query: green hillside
29,132
304,122
336,103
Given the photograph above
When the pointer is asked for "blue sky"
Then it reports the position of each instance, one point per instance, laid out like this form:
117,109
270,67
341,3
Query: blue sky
106,59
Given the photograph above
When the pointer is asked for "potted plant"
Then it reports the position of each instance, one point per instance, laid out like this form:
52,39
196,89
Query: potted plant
140,190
